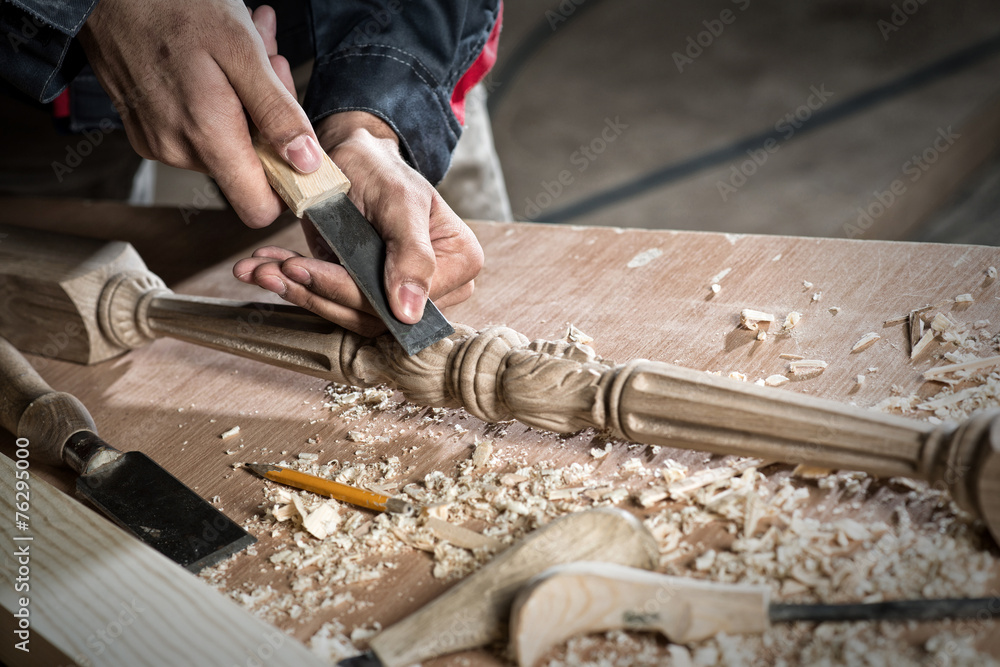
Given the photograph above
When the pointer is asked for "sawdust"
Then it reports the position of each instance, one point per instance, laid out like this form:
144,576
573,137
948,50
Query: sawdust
816,539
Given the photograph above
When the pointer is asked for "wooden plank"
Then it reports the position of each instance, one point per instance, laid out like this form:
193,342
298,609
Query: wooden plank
102,597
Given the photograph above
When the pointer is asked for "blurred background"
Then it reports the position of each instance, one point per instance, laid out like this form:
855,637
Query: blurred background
873,119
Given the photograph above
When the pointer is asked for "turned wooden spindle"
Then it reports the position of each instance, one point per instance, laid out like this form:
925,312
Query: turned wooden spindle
495,374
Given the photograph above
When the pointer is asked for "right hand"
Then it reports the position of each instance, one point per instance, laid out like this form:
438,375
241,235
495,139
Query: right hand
181,73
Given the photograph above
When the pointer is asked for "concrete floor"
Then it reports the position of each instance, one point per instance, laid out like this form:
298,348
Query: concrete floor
605,78
615,60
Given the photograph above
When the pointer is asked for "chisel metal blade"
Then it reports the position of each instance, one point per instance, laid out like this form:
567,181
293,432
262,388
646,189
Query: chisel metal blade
154,506
362,253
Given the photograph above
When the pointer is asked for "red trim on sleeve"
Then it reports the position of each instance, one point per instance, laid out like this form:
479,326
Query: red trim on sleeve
60,105
476,71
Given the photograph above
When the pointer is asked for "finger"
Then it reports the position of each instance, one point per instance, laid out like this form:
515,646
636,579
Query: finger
409,260
269,276
456,296
272,107
329,281
244,269
275,252
266,22
459,255
221,142
284,71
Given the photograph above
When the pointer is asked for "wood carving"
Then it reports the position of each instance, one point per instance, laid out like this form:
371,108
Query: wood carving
497,374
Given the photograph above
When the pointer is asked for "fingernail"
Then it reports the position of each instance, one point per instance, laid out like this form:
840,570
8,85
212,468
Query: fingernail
412,300
298,274
272,284
303,153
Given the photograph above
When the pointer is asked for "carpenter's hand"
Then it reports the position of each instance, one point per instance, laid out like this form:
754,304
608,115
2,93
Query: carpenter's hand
430,251
181,73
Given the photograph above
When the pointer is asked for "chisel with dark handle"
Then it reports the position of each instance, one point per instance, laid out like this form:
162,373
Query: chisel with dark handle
585,597
128,487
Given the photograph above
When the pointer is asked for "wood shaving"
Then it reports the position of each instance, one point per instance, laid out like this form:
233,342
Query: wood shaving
865,342
225,435
807,366
751,319
991,273
761,335
574,335
791,320
775,380
481,454
964,298
790,357
976,364
804,471
834,310
715,287
817,296
598,453
922,344
719,276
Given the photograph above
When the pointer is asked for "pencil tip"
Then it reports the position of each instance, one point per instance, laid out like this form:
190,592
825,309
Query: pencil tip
261,468
399,506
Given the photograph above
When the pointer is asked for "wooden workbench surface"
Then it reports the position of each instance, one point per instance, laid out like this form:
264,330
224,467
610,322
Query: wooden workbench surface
638,293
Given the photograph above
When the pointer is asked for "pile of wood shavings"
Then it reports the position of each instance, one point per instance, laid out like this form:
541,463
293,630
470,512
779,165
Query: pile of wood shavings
758,532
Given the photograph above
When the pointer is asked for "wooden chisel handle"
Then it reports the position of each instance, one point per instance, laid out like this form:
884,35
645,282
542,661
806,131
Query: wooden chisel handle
584,597
30,408
298,190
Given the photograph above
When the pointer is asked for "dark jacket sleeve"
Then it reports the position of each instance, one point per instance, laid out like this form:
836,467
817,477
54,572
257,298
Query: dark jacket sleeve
37,47
409,62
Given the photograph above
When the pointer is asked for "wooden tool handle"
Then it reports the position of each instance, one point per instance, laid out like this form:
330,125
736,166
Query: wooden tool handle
475,611
299,191
31,409
580,598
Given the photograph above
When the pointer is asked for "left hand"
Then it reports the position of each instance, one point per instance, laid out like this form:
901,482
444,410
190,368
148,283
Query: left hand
431,252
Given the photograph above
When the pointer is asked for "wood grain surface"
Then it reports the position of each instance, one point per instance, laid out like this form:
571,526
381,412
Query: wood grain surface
638,293
133,607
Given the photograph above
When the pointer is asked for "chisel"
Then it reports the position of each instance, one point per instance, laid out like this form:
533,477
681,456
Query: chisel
128,487
584,597
321,198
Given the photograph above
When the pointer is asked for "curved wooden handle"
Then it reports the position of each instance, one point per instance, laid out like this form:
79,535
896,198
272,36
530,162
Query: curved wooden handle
580,598
31,409
299,191
474,612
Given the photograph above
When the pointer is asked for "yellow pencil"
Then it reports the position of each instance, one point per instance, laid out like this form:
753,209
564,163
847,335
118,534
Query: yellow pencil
335,490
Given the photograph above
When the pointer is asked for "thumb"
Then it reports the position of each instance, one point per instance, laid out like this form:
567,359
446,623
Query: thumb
273,109
409,268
